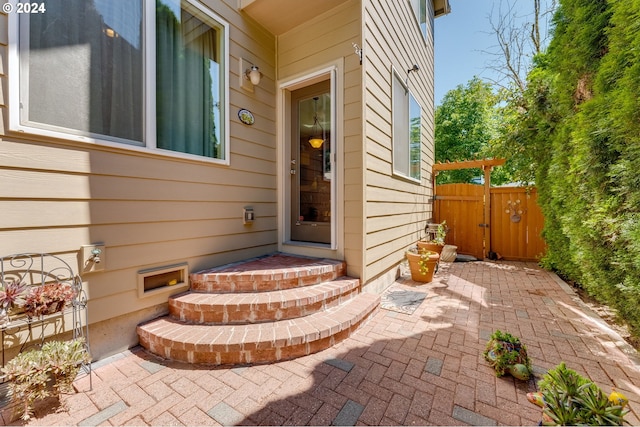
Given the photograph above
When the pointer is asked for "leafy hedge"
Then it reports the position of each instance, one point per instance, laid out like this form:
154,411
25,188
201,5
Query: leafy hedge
582,125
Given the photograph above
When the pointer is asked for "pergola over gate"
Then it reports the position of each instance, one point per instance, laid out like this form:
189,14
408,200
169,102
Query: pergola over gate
506,221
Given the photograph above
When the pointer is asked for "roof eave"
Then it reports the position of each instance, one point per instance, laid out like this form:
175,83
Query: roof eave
441,8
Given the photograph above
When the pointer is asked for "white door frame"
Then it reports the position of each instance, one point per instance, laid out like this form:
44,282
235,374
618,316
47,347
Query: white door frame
334,72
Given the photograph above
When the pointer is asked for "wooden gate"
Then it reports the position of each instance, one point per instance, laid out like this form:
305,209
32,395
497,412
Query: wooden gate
462,206
514,223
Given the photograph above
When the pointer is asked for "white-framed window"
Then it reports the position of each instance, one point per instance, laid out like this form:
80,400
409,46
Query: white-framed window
406,131
142,74
420,10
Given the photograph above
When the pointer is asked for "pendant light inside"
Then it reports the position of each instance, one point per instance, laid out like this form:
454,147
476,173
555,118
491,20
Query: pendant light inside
316,139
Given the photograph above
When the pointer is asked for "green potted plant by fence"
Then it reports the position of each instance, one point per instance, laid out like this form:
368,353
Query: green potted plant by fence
436,234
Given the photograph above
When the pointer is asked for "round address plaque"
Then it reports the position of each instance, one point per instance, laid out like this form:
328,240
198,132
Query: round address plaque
246,117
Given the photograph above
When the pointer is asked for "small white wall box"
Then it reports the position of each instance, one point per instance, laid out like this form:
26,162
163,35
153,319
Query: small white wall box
247,215
169,279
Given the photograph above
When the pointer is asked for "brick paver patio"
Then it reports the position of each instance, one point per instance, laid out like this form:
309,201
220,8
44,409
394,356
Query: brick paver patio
397,369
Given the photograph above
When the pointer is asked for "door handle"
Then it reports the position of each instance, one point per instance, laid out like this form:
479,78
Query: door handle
483,225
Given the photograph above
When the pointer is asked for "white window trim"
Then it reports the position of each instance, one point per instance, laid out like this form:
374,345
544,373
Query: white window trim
398,173
149,93
416,15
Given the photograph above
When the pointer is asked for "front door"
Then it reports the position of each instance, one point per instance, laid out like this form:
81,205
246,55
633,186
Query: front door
311,164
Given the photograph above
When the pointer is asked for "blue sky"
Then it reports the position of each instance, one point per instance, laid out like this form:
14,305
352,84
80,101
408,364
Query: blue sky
460,39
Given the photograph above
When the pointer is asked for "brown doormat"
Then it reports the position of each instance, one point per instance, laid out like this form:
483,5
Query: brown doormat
401,300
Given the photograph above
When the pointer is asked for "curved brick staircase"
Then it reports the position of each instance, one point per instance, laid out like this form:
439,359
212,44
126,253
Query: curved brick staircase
263,310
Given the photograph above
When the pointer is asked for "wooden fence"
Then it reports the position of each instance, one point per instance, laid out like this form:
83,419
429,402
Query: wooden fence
512,229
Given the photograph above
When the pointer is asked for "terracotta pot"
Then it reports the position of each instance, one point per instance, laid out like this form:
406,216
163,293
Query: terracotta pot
433,247
414,266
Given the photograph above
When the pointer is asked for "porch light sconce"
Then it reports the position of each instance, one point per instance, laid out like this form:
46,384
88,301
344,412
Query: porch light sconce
253,74
316,139
249,75
358,51
415,68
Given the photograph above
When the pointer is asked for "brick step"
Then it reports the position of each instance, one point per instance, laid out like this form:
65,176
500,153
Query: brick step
256,343
268,273
255,307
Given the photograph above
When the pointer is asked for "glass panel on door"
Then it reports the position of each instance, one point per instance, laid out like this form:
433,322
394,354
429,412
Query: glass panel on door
311,164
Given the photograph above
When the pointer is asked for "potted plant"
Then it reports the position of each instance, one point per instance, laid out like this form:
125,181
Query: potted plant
48,299
507,354
48,371
12,296
422,264
568,398
436,235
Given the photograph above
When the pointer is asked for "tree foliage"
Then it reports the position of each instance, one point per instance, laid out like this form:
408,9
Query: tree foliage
466,122
492,112
520,36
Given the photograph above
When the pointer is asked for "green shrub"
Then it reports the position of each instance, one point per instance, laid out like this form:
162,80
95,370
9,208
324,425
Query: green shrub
48,371
586,137
570,399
